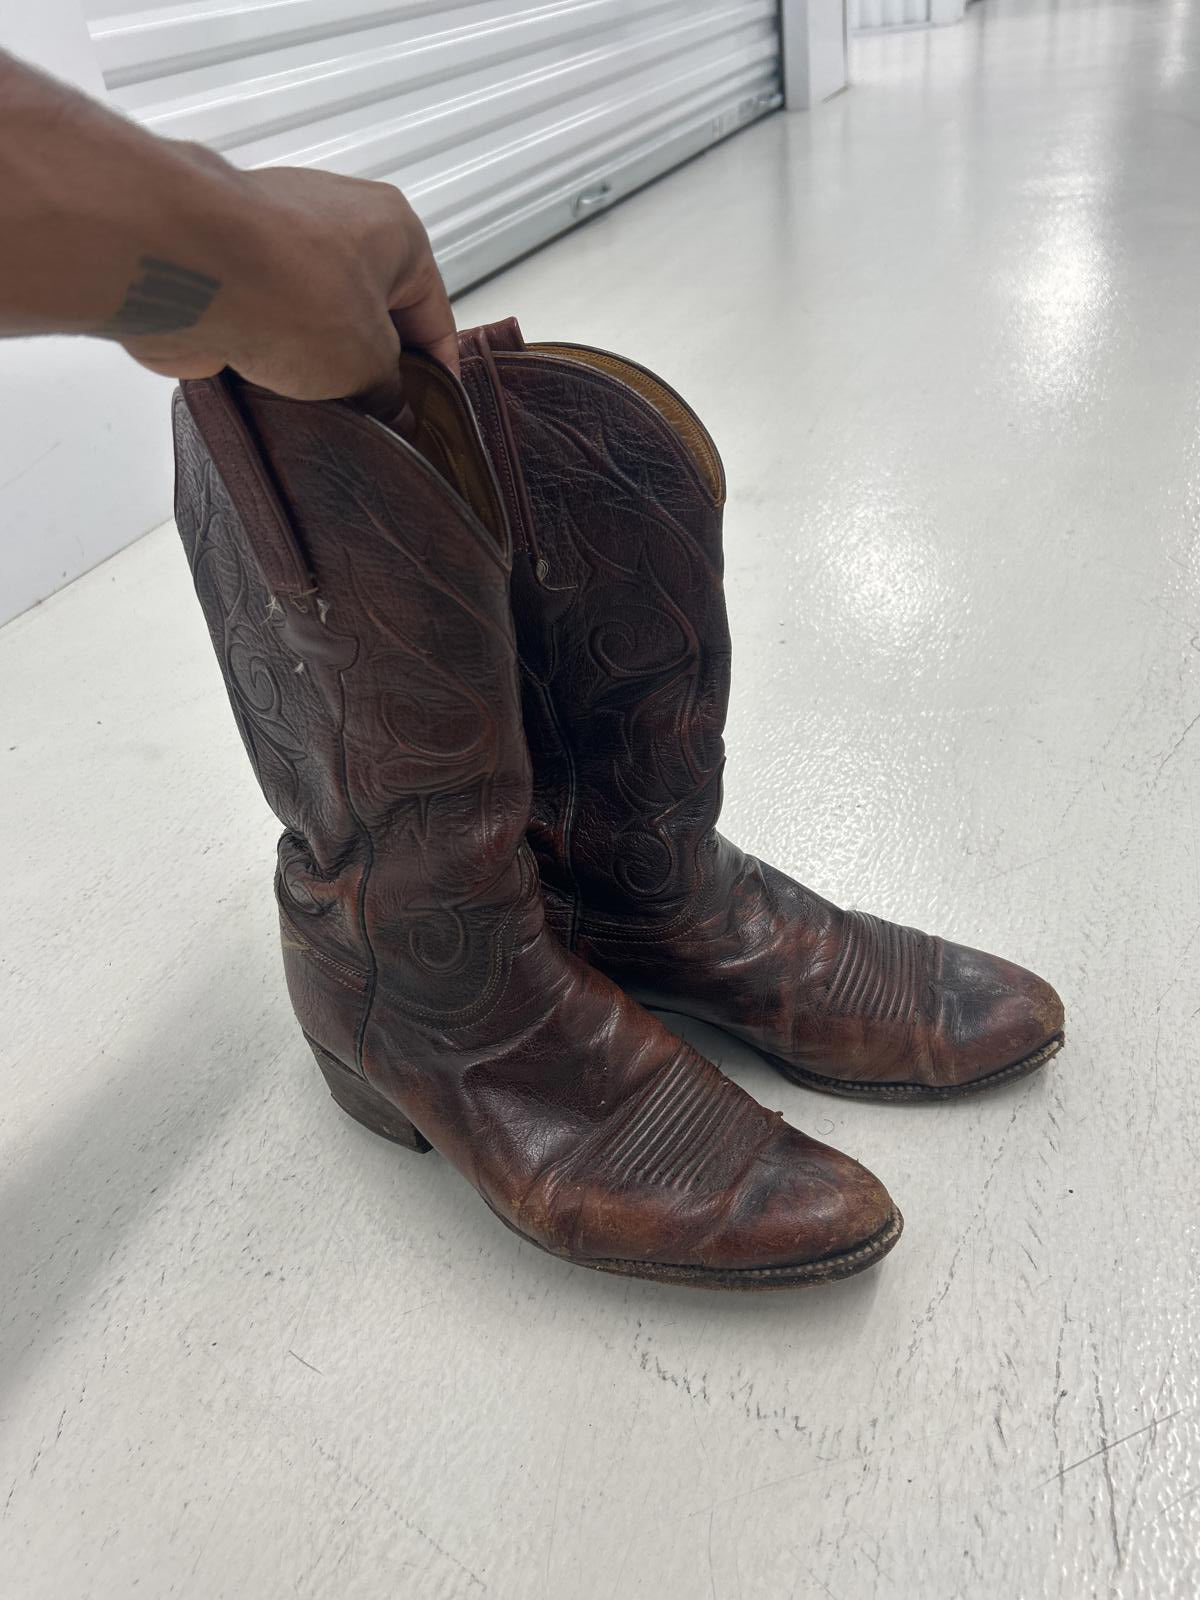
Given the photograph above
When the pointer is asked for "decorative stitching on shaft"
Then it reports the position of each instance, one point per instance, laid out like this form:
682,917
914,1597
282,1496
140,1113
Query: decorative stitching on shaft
672,1132
880,970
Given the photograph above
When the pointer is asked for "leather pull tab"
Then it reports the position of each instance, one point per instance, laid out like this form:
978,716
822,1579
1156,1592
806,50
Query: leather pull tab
505,335
492,337
238,458
481,380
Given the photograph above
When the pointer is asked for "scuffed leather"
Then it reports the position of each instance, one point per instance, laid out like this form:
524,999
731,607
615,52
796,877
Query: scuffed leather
381,714
625,656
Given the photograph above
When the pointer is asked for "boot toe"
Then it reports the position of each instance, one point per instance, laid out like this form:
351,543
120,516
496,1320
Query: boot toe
796,1212
996,1016
801,1204
692,1181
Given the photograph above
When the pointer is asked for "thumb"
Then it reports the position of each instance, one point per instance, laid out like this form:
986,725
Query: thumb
421,311
382,396
189,366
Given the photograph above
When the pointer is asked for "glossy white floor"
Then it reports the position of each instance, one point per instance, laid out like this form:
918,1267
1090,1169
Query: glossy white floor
945,332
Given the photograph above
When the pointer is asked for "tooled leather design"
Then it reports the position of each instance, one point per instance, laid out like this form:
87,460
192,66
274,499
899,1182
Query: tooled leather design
285,725
627,640
242,615
302,719
623,628
439,787
393,694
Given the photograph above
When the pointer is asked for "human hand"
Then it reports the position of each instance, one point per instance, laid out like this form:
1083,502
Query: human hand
314,268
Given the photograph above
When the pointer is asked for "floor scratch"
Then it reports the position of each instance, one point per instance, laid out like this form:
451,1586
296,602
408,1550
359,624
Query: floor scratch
1179,1499
1104,1449
1110,1493
1175,747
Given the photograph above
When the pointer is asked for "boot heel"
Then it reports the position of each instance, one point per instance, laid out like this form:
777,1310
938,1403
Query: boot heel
361,1102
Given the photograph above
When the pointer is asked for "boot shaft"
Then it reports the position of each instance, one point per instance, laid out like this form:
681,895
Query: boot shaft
358,605
615,492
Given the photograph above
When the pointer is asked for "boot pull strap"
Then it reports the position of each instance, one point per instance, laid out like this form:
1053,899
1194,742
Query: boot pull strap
488,401
492,336
239,459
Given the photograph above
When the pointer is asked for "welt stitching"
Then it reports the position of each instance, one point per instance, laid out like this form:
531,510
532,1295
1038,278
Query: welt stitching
810,1268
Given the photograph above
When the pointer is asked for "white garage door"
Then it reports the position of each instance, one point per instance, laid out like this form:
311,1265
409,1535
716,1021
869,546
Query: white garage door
504,124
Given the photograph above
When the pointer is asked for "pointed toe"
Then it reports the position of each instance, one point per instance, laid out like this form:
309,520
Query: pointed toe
997,1020
802,1208
724,1194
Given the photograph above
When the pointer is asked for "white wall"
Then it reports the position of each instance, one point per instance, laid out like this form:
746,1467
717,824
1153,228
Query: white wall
85,450
814,51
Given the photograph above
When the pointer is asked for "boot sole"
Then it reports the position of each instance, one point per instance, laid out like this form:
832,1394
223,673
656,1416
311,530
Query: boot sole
892,1093
910,1093
358,1100
806,1275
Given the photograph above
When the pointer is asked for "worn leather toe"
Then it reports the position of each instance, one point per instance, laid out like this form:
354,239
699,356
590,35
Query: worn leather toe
992,1014
694,1176
799,1202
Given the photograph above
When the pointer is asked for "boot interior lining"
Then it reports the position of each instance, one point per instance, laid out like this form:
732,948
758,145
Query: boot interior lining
674,411
440,428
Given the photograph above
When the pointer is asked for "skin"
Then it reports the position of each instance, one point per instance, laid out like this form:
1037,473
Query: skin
302,281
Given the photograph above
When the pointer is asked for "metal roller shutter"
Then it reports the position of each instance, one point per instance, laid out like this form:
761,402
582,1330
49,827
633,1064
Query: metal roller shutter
504,126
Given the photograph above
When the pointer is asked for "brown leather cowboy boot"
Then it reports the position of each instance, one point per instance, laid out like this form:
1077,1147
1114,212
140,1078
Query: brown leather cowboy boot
355,584
615,490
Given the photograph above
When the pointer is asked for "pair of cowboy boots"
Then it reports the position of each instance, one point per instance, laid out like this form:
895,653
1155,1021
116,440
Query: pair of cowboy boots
529,564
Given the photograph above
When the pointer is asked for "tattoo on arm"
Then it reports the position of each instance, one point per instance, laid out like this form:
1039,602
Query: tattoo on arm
165,299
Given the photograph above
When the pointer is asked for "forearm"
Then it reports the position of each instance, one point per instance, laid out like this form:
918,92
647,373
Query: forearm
299,280
107,230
